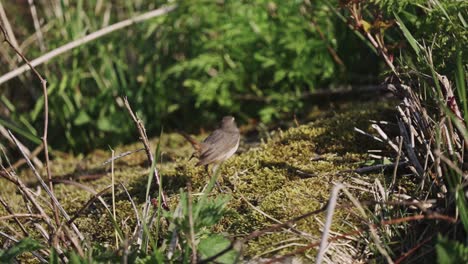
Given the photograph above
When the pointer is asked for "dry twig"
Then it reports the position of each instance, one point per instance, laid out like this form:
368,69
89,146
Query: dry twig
37,25
192,230
327,226
48,191
10,211
46,118
149,154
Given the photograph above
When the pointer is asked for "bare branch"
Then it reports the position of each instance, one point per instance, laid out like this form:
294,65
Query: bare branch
144,140
37,255
15,216
46,118
37,25
44,186
10,211
8,30
326,228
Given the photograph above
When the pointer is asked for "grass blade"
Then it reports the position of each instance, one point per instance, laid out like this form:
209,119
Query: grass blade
412,41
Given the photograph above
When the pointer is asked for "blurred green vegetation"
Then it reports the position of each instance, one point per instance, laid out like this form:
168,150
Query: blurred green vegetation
441,27
184,70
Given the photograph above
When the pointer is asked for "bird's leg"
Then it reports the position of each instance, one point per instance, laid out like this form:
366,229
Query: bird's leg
214,170
211,174
193,156
207,171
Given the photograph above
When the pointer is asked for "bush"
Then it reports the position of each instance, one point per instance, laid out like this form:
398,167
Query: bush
183,70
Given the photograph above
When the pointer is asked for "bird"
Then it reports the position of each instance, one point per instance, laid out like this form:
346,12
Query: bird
219,146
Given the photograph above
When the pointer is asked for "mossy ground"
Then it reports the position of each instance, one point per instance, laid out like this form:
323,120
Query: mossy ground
287,176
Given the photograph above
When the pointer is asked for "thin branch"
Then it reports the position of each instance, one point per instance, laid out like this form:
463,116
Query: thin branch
37,25
410,150
397,164
192,230
144,140
121,155
38,162
378,167
37,255
414,249
96,196
10,211
360,231
32,156
113,199
332,52
326,229
8,30
48,191
46,118
135,210
15,216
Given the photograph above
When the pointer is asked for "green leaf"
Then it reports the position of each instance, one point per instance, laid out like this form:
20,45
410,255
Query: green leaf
82,118
172,108
451,251
11,107
366,25
38,107
21,131
462,207
157,257
462,19
268,113
53,257
107,125
213,245
412,41
266,61
279,75
24,245
208,212
460,77
76,259
387,161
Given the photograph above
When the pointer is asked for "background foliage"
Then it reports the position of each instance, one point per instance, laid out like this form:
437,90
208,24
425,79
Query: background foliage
184,70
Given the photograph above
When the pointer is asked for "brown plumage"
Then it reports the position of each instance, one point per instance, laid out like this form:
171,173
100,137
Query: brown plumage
219,145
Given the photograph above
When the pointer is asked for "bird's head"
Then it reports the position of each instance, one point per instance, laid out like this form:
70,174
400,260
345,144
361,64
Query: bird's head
229,123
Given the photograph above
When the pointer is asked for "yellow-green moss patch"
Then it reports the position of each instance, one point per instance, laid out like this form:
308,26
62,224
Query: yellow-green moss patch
288,176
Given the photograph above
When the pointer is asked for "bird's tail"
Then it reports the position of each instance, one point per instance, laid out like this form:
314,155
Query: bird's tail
195,144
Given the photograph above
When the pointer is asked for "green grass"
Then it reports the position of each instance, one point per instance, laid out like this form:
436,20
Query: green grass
253,59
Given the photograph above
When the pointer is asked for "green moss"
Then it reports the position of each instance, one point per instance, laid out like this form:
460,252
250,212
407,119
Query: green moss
287,176
293,174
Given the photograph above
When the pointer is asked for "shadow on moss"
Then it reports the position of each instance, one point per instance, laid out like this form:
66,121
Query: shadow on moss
287,176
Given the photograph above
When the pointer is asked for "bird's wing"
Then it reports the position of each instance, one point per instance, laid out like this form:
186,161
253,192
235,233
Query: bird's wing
214,137
216,145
